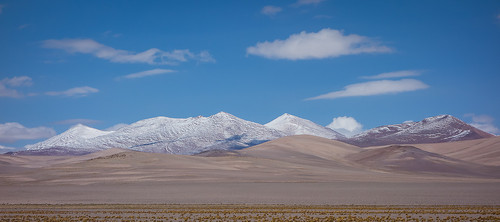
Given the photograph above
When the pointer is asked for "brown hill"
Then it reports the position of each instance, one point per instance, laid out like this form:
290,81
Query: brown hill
413,160
289,159
481,151
295,170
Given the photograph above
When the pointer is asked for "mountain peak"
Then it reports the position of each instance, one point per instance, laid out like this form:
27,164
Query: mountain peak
158,118
285,118
436,129
440,118
70,137
79,126
288,116
223,114
83,131
293,125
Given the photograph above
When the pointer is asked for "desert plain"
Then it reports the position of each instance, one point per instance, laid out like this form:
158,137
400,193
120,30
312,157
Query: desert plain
290,171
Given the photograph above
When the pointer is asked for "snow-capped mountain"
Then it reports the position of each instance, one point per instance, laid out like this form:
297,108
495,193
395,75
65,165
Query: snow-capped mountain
225,131
292,125
437,129
170,135
74,138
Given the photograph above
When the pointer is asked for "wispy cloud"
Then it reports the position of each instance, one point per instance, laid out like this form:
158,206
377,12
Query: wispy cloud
12,132
7,92
7,85
372,88
18,81
1,8
110,33
6,148
74,92
326,43
307,2
484,123
270,10
346,125
204,56
142,74
150,56
323,16
77,121
397,74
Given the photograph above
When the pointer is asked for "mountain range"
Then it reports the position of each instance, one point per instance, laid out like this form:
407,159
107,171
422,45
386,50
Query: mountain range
437,129
224,131
165,135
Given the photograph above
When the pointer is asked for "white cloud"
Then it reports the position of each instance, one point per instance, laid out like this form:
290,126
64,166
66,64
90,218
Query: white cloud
346,125
74,92
6,85
379,87
327,43
110,33
150,56
7,92
147,73
12,132
205,56
18,81
307,2
77,121
323,16
482,118
6,148
397,74
116,127
178,55
270,10
484,123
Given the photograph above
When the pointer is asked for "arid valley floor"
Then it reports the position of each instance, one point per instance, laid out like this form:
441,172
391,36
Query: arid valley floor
296,170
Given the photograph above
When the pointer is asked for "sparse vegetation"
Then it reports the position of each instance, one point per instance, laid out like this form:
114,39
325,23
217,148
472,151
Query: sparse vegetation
118,155
123,212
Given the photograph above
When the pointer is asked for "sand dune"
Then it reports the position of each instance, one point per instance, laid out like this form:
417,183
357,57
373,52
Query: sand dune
303,144
410,159
317,169
290,159
481,151
131,166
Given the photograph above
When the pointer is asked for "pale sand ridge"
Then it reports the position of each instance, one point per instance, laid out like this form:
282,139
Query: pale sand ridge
296,169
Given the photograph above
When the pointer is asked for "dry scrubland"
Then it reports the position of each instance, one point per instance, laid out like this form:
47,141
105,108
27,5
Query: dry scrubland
246,213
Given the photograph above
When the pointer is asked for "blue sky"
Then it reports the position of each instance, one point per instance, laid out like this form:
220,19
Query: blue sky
103,63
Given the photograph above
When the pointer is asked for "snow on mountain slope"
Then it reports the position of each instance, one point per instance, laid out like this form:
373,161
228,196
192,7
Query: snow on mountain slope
225,131
437,129
70,139
293,125
175,135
